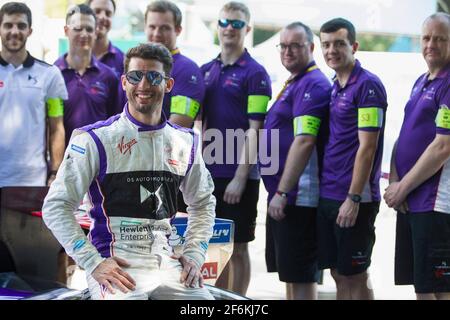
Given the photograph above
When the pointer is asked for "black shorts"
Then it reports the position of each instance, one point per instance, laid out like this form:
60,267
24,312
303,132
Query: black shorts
291,245
349,250
422,251
243,214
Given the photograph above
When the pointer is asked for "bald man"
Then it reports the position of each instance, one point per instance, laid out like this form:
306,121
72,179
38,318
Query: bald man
420,172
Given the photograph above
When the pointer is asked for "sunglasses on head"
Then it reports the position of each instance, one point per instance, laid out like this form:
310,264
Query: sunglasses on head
235,24
153,77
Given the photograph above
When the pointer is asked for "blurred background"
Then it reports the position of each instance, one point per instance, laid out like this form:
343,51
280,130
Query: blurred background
388,32
389,35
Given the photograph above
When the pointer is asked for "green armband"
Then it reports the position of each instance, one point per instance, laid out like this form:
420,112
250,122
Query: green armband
370,117
55,107
306,125
443,117
257,104
184,106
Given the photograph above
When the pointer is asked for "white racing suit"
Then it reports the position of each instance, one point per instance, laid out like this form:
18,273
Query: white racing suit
132,174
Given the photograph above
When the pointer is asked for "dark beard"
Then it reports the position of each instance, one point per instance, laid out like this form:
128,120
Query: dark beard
14,50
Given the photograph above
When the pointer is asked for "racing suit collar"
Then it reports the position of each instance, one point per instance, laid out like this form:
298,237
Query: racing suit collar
144,127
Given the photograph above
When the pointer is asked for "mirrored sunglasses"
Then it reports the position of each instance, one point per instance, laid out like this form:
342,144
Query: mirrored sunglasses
153,77
235,24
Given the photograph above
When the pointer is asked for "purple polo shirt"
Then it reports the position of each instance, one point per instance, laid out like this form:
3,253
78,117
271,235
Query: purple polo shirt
114,59
226,105
188,81
92,96
363,90
420,126
307,94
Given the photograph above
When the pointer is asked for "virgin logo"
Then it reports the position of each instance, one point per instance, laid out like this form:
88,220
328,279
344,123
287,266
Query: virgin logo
126,147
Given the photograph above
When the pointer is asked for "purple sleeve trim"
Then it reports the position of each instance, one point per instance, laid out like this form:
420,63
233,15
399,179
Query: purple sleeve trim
193,150
256,116
371,129
99,124
101,154
442,131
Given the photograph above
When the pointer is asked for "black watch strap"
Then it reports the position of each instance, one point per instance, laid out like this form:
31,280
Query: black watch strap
355,197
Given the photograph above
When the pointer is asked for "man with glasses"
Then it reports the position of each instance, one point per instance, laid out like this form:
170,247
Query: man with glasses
349,184
420,172
31,100
92,86
163,25
238,90
300,116
103,49
132,165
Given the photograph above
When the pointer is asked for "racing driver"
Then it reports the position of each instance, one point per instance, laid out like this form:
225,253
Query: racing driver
132,166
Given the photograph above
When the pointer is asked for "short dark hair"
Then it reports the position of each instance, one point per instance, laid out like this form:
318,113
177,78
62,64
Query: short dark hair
237,6
14,8
340,23
308,32
163,6
150,51
88,3
81,9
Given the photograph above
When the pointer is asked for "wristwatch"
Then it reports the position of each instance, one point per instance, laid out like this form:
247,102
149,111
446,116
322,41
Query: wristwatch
281,194
356,198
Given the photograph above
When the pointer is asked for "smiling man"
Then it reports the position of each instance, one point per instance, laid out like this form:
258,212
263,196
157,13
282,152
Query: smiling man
300,113
103,49
237,93
163,25
31,98
92,86
349,186
420,172
134,193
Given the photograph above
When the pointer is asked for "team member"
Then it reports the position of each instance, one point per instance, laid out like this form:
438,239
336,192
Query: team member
92,86
349,185
163,25
298,114
103,49
420,172
31,94
237,93
134,194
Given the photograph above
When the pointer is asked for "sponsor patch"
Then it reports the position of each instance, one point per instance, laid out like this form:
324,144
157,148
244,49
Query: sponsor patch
78,149
125,147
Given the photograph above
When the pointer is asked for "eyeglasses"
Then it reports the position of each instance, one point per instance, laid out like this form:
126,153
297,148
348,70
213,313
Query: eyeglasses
153,77
80,29
294,47
235,24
